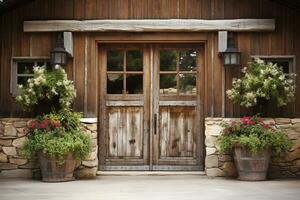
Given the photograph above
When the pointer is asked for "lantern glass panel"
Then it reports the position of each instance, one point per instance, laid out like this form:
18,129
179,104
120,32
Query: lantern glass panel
227,59
58,58
233,58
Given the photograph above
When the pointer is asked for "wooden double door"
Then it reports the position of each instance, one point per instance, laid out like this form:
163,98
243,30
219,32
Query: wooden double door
150,106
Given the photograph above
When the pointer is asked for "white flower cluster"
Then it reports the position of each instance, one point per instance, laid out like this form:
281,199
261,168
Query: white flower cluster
262,82
47,85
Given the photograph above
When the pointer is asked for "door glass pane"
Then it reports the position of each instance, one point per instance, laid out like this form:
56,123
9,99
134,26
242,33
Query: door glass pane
115,60
187,83
134,61
134,83
187,60
168,84
25,67
168,60
114,83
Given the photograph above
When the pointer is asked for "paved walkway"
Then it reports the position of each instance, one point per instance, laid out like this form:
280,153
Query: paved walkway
150,187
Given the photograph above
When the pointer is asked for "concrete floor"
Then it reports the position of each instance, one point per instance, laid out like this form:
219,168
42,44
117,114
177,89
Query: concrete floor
185,187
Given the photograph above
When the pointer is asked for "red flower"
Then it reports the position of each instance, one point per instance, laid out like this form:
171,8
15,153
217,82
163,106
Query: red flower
43,125
251,122
56,124
247,121
266,126
32,125
46,121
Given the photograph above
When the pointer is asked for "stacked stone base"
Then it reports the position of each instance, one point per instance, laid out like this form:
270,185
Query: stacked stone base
13,164
286,166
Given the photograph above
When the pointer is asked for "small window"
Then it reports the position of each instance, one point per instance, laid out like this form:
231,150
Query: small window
286,62
22,70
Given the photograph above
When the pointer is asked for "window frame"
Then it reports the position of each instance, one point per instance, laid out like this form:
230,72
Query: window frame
125,72
14,70
290,58
178,71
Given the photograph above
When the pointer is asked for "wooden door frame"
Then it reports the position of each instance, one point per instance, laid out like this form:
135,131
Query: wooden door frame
148,38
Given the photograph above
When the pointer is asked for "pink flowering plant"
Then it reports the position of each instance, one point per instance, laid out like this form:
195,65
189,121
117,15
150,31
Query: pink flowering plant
253,133
57,134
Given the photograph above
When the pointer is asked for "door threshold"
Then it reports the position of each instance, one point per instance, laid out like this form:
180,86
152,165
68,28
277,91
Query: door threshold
150,173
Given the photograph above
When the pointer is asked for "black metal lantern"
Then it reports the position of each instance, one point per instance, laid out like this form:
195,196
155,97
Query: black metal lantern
231,56
59,53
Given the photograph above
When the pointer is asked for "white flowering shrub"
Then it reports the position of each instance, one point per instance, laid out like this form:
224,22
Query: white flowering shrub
47,85
262,82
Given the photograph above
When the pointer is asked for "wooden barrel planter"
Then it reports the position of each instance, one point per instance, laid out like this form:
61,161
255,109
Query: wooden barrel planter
57,170
251,167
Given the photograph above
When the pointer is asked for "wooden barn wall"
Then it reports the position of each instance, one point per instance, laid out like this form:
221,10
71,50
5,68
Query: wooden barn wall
82,69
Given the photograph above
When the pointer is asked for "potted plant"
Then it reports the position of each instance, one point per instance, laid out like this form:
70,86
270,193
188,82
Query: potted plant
58,141
55,136
252,142
261,84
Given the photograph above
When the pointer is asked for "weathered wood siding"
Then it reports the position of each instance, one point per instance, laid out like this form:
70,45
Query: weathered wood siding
82,68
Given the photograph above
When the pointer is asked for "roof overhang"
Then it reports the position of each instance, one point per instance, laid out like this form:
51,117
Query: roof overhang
147,25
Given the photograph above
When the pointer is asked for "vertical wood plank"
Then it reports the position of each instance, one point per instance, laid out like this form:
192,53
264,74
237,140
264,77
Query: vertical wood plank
113,131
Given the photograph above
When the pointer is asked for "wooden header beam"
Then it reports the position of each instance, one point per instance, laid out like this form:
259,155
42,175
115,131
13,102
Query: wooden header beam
147,25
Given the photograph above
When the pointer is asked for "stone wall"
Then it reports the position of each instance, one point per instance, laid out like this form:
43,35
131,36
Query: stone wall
217,164
13,164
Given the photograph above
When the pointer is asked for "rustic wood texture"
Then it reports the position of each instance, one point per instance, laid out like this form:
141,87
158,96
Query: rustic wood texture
177,132
134,25
125,131
83,67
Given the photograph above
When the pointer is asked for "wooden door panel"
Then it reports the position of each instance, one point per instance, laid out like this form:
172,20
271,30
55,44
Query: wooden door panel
177,133
125,132
177,95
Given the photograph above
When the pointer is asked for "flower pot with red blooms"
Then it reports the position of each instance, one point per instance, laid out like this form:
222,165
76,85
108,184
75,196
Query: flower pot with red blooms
252,141
58,141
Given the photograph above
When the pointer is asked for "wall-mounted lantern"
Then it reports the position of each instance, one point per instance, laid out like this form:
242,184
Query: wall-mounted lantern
59,54
230,56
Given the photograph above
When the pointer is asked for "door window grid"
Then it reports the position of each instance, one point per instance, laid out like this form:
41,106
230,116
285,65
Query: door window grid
126,77
177,75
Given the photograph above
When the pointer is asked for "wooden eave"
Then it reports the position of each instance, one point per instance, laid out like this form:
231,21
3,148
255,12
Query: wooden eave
151,25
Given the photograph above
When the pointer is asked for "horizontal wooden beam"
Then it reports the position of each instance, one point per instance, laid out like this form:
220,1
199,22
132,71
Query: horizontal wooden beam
147,25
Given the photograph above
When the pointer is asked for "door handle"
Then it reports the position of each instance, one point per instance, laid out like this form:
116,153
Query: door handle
155,123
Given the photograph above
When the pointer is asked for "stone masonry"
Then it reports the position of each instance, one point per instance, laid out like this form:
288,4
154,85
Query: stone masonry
217,164
14,165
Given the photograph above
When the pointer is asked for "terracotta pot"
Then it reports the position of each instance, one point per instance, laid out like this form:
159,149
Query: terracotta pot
251,167
57,170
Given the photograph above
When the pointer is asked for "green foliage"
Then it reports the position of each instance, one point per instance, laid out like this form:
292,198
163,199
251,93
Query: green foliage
57,134
254,134
68,119
262,82
47,85
58,143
